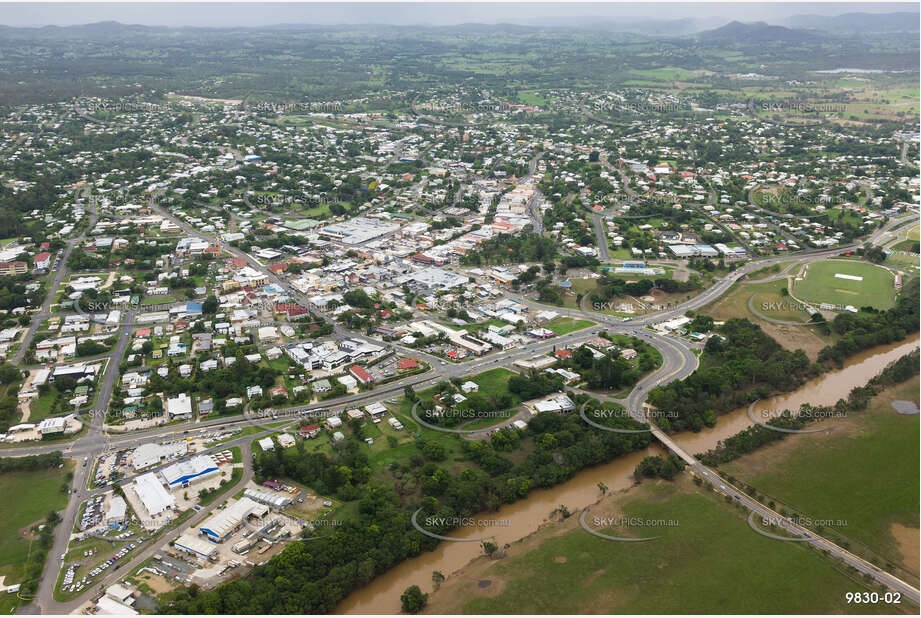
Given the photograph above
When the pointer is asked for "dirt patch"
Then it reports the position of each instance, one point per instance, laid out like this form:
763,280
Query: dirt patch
157,583
469,583
794,338
559,559
908,540
591,578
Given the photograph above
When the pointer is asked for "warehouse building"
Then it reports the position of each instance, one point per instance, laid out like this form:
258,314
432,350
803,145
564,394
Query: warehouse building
197,546
184,472
222,524
263,497
152,454
117,512
152,494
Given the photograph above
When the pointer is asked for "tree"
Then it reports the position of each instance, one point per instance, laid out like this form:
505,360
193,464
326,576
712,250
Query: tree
437,578
489,548
9,373
210,306
413,600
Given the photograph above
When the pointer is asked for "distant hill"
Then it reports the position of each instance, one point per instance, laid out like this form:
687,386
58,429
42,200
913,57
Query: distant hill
670,27
758,32
858,22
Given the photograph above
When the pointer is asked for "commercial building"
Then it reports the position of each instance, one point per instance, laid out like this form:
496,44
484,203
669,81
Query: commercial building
197,546
560,403
117,511
183,473
221,525
179,407
53,425
152,454
152,494
358,230
276,501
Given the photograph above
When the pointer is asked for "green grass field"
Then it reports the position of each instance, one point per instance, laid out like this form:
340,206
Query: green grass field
864,473
914,233
531,98
36,494
821,285
710,561
563,326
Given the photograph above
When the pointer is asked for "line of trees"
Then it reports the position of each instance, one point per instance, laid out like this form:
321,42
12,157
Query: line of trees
30,463
740,365
748,440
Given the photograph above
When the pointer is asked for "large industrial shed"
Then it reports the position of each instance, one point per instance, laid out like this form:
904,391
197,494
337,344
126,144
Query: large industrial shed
154,496
196,546
222,524
184,472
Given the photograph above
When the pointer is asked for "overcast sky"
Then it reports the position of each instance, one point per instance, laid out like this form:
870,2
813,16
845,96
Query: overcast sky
252,14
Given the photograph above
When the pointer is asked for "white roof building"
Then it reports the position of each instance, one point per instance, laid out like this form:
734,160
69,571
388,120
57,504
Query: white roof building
277,501
266,444
152,494
52,425
151,453
196,545
118,509
107,606
179,407
221,524
184,472
285,440
559,403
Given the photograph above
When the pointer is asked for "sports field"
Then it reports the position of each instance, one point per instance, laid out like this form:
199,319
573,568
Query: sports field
821,285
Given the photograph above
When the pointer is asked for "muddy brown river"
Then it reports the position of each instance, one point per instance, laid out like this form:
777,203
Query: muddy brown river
382,596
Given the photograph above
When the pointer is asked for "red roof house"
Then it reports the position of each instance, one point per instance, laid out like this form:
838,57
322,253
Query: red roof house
407,363
361,374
